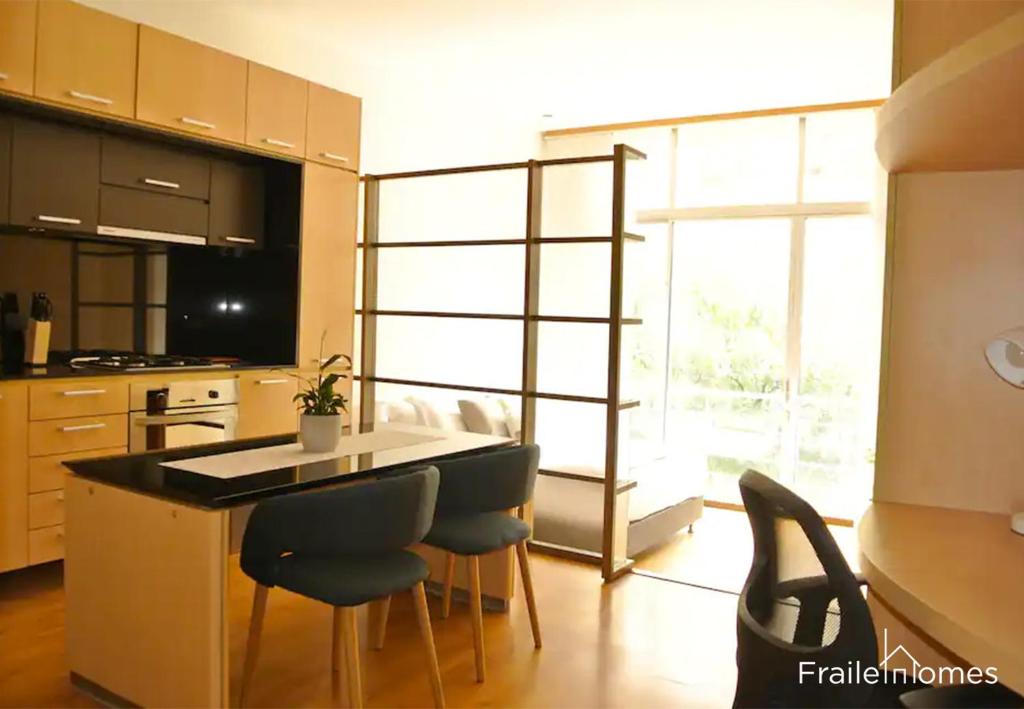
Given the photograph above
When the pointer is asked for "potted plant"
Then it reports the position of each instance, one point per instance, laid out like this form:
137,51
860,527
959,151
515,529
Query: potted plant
321,406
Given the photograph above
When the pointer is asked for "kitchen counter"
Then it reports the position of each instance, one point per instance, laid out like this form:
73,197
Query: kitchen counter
63,371
151,560
145,473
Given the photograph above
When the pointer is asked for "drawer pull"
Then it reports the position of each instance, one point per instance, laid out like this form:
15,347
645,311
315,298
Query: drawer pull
161,183
334,156
82,427
85,392
57,220
197,123
239,240
3,76
278,143
60,496
272,381
102,100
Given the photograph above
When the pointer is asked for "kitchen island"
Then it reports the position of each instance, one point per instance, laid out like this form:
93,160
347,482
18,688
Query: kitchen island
151,539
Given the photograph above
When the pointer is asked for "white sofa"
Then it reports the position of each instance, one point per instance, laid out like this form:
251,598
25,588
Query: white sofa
661,498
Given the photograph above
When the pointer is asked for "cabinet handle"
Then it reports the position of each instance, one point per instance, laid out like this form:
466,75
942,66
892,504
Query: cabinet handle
272,381
85,392
3,76
103,100
197,123
57,220
161,183
239,240
278,143
82,427
334,156
60,496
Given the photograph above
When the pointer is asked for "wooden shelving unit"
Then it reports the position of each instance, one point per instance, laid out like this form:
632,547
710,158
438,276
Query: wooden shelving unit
530,317
964,111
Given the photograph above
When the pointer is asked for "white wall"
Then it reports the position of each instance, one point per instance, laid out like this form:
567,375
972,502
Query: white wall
452,82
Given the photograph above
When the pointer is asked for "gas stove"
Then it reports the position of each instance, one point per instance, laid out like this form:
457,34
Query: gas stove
129,361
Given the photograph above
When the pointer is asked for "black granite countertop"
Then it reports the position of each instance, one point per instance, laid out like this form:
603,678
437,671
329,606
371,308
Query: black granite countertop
144,474
62,371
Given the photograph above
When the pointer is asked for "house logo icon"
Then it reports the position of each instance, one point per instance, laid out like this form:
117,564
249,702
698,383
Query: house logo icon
897,653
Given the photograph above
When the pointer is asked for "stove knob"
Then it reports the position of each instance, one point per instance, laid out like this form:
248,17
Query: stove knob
214,394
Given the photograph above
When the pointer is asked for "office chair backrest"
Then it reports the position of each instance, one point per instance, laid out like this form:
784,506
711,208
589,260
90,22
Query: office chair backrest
487,482
801,608
370,518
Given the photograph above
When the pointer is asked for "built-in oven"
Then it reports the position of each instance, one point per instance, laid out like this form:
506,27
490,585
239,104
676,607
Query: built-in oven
181,413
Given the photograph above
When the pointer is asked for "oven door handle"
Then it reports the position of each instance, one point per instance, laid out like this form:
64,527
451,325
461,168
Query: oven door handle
171,419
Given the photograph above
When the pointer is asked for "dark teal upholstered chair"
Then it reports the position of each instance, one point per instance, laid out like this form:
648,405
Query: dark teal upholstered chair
472,518
345,546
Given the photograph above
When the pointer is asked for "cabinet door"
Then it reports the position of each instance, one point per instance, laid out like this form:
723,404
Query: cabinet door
265,406
86,58
13,476
276,111
327,262
236,204
190,87
154,168
332,127
5,169
54,176
18,48
152,215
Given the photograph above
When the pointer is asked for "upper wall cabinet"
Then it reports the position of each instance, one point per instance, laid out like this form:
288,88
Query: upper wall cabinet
332,127
18,48
276,111
86,58
54,171
190,87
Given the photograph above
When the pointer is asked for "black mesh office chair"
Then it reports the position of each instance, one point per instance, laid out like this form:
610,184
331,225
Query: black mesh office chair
801,608
345,546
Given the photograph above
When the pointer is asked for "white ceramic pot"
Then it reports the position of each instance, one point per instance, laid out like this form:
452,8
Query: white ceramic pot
319,434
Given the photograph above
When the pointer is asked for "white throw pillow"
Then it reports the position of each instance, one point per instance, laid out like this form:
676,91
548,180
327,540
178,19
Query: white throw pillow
513,422
483,416
428,415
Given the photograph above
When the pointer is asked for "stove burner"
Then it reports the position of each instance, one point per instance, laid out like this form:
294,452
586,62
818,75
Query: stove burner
124,361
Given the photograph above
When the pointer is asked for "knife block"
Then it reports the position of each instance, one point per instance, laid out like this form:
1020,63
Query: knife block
37,343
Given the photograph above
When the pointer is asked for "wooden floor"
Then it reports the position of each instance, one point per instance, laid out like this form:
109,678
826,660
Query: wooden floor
639,642
717,553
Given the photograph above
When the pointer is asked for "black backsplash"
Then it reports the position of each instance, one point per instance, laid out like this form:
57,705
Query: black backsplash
233,304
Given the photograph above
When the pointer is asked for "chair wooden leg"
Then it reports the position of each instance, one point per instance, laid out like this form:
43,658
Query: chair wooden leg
449,579
423,617
252,649
477,611
379,622
338,662
350,635
531,604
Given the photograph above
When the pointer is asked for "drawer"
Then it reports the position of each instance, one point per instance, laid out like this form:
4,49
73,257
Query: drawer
154,168
46,544
79,434
265,406
47,473
147,212
45,509
67,399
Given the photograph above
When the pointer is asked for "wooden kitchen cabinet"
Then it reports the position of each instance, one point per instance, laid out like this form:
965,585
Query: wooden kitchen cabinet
265,406
13,476
332,127
327,262
145,165
18,48
276,111
65,398
237,196
190,87
5,169
54,176
86,58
